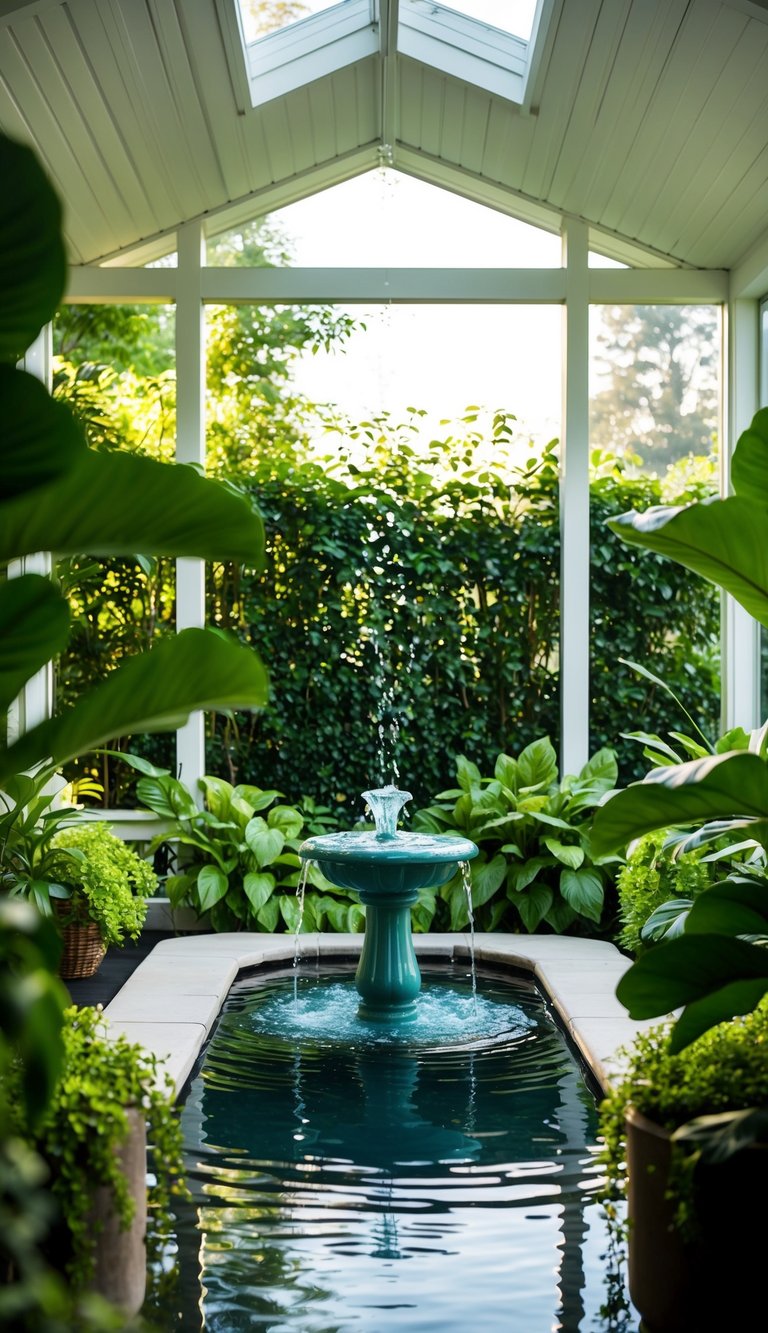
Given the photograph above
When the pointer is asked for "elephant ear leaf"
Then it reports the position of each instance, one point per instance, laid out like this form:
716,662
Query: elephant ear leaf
33,263
34,625
749,465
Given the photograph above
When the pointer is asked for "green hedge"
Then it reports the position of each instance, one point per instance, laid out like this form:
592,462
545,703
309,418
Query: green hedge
409,612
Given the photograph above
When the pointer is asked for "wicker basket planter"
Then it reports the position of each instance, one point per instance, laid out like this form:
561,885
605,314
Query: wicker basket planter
83,949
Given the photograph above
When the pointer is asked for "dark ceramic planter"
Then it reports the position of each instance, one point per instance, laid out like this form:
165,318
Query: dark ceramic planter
714,1283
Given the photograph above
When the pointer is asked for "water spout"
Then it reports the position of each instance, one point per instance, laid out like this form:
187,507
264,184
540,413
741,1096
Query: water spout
385,804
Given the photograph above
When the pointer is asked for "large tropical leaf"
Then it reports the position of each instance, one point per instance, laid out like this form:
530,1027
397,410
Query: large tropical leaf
115,504
40,440
34,626
714,976
157,691
749,465
726,541
737,906
733,785
33,265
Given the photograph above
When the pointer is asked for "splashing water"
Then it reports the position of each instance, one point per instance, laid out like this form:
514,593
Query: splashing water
466,880
301,889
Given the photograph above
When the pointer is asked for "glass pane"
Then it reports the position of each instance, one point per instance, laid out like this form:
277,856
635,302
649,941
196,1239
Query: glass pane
654,420
515,16
260,17
114,367
408,611
385,218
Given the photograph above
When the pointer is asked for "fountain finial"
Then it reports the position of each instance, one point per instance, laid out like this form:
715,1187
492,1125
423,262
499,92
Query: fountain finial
385,804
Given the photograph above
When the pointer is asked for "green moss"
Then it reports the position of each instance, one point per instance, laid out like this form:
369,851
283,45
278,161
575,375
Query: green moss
725,1070
109,881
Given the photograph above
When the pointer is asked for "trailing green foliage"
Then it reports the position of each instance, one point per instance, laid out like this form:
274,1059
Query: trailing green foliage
107,881
85,1122
536,866
723,1074
236,860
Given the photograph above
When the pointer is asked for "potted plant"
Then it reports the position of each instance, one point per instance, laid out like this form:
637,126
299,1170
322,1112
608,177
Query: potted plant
110,1099
75,868
712,978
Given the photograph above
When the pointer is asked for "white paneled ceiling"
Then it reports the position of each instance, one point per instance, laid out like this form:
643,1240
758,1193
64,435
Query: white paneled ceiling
647,118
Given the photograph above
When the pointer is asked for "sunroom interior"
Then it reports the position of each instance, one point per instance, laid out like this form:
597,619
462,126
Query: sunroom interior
630,134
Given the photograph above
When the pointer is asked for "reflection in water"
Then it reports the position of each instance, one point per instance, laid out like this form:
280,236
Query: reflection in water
343,1186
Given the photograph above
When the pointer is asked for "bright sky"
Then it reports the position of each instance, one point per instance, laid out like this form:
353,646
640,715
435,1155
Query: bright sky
441,358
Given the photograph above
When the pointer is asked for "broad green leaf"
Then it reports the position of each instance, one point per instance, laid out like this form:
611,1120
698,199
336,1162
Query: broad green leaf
715,976
289,821
355,919
602,769
265,844
519,877
737,906
487,877
41,439
537,764
258,889
34,627
268,915
290,911
667,921
212,885
560,915
166,796
255,797
177,888
454,894
196,669
136,761
749,465
33,264
468,774
723,540
164,507
718,787
506,771
533,905
218,795
566,853
583,891
655,749
662,684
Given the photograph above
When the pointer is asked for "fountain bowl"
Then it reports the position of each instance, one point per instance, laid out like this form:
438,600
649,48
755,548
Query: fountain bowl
378,867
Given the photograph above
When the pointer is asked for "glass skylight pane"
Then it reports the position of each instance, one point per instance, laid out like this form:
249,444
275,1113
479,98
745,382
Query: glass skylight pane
261,17
515,16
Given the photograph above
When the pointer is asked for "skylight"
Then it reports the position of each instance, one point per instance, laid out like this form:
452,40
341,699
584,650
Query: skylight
278,47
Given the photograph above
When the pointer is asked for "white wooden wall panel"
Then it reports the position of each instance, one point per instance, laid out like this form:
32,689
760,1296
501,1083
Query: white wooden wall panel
277,158
173,147
329,138
123,99
736,105
575,146
214,89
706,102
507,142
474,129
746,210
673,112
432,107
185,95
42,126
639,63
560,89
454,104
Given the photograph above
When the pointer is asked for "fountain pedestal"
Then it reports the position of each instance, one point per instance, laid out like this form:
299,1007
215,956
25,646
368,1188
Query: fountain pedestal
386,869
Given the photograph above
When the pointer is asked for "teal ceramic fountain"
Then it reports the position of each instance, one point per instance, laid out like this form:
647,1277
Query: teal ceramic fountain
386,868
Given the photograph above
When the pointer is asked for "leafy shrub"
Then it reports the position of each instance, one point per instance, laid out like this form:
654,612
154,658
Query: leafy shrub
654,878
107,881
534,866
237,860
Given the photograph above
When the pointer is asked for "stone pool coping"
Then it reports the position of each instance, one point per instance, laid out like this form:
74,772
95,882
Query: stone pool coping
172,999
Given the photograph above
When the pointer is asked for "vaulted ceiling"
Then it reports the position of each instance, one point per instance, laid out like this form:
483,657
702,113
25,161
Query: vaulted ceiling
646,118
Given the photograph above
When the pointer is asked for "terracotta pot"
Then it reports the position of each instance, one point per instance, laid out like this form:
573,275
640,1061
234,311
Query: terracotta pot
120,1256
711,1283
